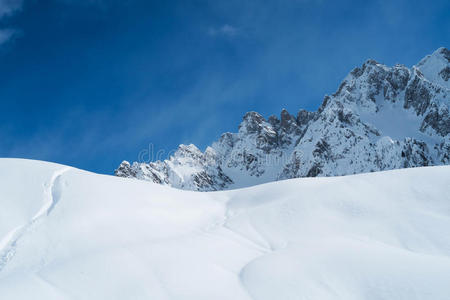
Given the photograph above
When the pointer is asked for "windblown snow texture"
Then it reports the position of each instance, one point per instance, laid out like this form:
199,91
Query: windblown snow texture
380,118
71,234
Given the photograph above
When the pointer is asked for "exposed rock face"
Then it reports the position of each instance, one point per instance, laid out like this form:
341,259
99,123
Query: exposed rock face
380,118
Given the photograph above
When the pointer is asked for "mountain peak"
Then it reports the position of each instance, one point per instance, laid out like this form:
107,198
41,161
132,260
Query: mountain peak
380,118
252,122
443,52
436,67
287,121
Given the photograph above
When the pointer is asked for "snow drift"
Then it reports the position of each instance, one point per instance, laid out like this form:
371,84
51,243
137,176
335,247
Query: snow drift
70,234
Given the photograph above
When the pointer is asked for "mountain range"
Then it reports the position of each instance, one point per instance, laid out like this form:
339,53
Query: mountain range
380,118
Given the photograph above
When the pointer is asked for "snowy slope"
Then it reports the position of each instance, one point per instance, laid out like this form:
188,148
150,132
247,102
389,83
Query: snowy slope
71,234
380,118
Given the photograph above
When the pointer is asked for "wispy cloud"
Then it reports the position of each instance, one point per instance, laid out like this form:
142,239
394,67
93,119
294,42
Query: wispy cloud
6,35
8,8
224,30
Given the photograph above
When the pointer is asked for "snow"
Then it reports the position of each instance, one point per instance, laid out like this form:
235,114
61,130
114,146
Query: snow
71,234
431,65
397,123
380,118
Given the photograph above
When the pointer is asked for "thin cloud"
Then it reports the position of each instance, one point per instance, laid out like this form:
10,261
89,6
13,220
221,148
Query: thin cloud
224,30
8,8
6,35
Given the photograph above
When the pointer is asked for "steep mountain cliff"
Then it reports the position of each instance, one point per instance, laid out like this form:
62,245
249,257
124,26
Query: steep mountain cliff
380,118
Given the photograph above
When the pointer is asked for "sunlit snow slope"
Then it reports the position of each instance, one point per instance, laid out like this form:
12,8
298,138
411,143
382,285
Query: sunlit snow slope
71,234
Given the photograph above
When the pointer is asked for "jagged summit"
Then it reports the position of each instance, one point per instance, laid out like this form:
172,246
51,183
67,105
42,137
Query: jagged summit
436,67
441,55
379,118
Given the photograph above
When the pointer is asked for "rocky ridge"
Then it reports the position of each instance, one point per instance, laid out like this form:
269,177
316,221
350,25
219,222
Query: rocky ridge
380,118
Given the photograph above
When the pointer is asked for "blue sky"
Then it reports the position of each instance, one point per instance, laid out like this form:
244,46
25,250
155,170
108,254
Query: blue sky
90,83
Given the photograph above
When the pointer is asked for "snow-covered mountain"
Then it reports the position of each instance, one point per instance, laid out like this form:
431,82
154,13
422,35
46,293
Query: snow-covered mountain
71,234
380,118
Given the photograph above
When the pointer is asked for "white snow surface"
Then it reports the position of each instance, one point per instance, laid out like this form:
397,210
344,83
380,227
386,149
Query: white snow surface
71,234
432,65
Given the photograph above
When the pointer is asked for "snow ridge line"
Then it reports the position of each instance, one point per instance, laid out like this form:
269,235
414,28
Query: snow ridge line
220,230
9,243
52,195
